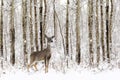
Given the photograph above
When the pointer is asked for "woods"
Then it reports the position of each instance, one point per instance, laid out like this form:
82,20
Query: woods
85,31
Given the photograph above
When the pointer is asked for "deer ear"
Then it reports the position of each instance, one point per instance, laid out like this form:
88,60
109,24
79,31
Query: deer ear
53,36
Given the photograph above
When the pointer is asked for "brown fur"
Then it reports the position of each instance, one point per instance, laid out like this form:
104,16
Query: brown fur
41,55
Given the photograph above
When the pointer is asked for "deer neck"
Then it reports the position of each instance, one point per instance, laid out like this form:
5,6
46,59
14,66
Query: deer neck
49,47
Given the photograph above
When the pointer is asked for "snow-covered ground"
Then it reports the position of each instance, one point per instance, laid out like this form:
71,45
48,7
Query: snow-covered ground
55,75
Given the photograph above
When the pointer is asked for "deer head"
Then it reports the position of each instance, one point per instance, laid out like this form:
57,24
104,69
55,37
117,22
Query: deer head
49,39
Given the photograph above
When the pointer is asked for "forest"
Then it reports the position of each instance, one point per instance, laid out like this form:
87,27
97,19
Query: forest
84,33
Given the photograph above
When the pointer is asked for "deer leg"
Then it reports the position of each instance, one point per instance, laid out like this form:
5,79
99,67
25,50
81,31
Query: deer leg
28,66
46,66
35,66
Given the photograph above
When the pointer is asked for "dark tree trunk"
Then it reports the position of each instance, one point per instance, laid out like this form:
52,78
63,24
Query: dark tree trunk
1,33
24,25
67,28
102,31
41,24
67,31
78,49
107,31
111,25
90,26
12,34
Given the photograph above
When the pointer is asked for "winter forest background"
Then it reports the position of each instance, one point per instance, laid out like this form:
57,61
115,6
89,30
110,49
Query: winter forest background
86,33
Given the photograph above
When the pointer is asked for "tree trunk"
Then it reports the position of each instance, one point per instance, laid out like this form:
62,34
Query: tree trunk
90,26
36,27
111,25
102,31
31,27
97,34
44,24
24,25
78,49
12,34
1,33
54,20
41,24
107,31
67,31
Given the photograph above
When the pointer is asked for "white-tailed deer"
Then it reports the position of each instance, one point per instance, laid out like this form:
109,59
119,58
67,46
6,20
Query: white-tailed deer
41,55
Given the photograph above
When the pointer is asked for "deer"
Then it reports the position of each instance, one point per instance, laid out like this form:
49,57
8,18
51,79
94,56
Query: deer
44,55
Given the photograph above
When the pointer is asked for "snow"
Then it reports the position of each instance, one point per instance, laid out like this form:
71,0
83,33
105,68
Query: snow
71,74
